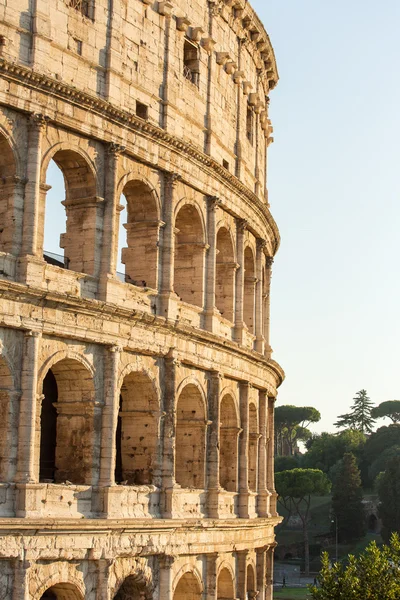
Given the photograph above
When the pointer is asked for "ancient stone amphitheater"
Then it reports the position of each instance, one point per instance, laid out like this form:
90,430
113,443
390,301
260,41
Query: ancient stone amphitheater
136,432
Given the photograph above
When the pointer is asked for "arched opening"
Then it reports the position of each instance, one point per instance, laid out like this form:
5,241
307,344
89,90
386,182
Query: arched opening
62,591
82,217
225,275
66,424
137,433
225,588
253,447
372,523
188,588
8,424
190,439
228,451
140,257
134,587
251,583
8,202
189,256
249,289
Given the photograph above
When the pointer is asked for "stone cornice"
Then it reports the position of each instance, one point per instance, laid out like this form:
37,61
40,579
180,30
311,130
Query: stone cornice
26,76
103,310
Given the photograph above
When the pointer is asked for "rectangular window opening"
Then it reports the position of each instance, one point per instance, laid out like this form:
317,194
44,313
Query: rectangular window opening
250,124
142,110
225,164
85,7
191,63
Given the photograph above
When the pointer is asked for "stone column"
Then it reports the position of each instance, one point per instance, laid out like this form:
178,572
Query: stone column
259,325
168,433
103,591
263,494
261,566
37,128
166,563
213,444
241,228
111,218
27,450
167,294
210,322
240,132
269,569
211,576
244,389
241,570
110,416
270,458
20,589
266,301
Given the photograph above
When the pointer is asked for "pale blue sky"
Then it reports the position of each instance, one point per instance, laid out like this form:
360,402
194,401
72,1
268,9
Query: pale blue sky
335,194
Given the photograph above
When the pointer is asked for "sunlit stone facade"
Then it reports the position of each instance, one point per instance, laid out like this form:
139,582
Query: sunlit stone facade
136,446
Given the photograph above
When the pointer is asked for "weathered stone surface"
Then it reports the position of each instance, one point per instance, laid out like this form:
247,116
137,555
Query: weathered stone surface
136,413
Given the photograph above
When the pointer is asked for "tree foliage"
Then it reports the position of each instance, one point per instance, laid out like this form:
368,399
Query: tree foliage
359,417
291,424
295,488
327,449
373,575
390,409
389,496
286,463
385,437
347,500
379,465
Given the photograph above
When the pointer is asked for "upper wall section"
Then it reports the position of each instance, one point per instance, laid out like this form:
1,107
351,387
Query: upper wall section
201,70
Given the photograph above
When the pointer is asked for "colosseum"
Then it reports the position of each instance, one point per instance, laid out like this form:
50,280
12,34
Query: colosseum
136,446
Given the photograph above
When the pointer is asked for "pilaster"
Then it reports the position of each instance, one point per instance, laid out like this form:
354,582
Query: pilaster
241,228
168,433
244,491
263,493
213,445
259,325
210,312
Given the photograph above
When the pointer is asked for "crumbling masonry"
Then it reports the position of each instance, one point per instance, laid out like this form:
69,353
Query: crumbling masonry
136,442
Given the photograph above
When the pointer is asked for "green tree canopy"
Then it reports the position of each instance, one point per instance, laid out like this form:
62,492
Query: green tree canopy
383,438
326,449
295,488
360,416
373,575
389,496
379,465
347,500
285,463
390,409
291,424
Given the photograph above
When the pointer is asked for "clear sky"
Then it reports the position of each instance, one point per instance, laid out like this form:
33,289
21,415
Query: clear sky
335,193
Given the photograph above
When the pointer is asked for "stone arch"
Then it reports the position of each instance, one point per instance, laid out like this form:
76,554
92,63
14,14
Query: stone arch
83,208
62,591
190,248
253,446
249,289
188,586
63,585
11,202
137,429
225,584
66,429
251,587
134,587
229,436
143,231
225,273
190,436
8,421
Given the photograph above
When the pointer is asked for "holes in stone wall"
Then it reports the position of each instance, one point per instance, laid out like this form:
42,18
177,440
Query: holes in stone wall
142,111
190,439
142,234
225,275
250,124
189,256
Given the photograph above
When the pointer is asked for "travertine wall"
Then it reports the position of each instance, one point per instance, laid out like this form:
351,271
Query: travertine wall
136,429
